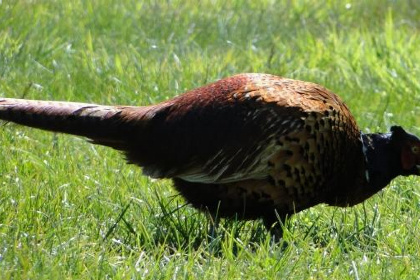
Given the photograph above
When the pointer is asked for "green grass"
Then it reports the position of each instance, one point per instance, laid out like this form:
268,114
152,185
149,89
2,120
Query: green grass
72,210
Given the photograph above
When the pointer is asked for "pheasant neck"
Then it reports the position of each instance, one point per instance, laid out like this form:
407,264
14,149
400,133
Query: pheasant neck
364,150
382,159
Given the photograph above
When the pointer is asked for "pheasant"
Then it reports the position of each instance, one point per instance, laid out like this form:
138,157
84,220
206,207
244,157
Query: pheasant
251,146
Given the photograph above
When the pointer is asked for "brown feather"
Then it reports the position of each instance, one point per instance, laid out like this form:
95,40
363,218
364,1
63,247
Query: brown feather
252,145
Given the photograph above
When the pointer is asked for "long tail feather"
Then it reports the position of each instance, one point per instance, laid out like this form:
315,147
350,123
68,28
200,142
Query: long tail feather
106,125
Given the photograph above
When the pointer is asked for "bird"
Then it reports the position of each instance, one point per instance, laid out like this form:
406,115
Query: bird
250,146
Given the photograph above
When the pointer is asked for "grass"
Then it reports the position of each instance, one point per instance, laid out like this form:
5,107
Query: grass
71,210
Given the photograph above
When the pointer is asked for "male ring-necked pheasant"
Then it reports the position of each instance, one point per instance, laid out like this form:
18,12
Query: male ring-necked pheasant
252,145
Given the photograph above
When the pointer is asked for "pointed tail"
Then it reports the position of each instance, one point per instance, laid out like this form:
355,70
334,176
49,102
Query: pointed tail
105,125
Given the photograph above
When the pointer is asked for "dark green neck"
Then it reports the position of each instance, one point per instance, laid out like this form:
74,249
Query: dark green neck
383,163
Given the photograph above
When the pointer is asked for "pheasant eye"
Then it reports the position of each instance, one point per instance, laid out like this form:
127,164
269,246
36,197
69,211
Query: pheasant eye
415,149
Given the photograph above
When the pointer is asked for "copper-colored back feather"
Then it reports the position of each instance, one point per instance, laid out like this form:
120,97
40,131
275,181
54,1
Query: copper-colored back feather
224,132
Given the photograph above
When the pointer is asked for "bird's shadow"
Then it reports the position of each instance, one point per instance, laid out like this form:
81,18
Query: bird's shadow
175,226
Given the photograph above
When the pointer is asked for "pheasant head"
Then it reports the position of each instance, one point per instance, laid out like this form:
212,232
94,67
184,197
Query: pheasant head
408,146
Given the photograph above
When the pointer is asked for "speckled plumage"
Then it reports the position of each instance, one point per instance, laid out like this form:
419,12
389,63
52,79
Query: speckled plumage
251,146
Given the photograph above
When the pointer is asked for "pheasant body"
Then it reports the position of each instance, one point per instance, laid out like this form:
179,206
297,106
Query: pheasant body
251,146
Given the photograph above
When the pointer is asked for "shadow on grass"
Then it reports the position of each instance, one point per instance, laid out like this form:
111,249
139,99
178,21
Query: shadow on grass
180,228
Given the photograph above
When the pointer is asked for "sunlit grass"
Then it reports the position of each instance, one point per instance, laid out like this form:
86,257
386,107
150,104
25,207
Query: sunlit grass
72,210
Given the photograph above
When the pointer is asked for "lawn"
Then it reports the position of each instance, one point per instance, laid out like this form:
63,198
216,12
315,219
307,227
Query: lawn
71,210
